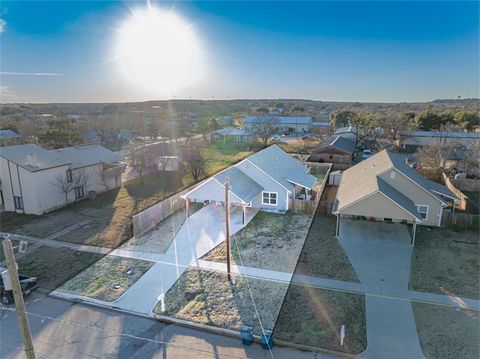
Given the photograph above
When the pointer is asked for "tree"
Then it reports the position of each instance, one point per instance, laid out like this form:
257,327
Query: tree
432,156
213,125
162,162
194,159
264,129
429,120
342,118
472,164
67,182
395,123
137,159
203,127
467,120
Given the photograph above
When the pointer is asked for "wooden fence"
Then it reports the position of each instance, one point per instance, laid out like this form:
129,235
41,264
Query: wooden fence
325,207
461,204
461,219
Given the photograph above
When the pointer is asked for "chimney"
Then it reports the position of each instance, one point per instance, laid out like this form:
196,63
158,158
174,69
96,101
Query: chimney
32,160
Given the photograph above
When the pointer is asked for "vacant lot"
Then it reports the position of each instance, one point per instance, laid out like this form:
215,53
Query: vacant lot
54,266
446,262
314,316
222,155
209,298
270,241
108,278
445,332
159,238
322,255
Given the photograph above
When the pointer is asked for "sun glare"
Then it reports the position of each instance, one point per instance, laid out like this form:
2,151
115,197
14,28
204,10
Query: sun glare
157,50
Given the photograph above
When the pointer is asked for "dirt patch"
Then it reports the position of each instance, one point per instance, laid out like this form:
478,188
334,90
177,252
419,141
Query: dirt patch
54,266
108,278
322,255
446,332
207,297
314,316
445,261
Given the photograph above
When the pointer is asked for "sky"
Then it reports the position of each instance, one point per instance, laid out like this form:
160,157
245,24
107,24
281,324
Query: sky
67,51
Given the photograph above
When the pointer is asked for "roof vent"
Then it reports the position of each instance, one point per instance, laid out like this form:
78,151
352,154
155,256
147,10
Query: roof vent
32,160
373,165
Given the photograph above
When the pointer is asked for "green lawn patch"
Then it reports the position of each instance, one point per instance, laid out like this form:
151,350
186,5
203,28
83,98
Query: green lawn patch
222,155
322,255
445,332
108,278
54,266
314,316
445,261
270,241
207,297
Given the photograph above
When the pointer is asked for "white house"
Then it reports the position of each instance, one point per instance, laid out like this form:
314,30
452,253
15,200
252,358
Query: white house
266,180
35,180
279,123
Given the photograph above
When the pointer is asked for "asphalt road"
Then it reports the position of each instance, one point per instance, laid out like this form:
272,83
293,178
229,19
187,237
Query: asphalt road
62,329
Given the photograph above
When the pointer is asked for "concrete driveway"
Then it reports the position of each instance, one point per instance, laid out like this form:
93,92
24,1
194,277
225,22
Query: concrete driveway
381,255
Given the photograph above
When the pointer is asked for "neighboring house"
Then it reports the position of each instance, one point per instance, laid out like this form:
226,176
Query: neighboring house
411,140
35,180
279,123
125,135
233,134
339,150
9,137
266,180
384,188
346,132
321,124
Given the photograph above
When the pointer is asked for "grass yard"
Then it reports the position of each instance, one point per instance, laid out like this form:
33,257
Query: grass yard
54,266
445,261
108,278
159,238
222,155
322,255
270,241
314,316
445,332
207,297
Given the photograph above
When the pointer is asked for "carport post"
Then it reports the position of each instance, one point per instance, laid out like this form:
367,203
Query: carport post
227,227
337,230
244,208
187,202
414,229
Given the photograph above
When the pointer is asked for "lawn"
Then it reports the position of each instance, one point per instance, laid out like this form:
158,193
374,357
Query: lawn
314,316
445,332
322,255
445,261
270,241
54,266
159,238
108,278
222,155
207,297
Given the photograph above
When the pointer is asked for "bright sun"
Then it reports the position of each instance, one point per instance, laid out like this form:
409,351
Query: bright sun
157,50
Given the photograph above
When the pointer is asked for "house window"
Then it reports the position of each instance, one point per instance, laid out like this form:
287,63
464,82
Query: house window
245,138
238,138
69,176
423,210
79,192
392,175
269,198
340,158
18,202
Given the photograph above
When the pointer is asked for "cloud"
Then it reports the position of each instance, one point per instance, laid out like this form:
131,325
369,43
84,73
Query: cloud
30,73
8,95
3,25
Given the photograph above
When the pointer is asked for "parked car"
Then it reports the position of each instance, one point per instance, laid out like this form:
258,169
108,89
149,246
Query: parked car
27,284
275,138
366,154
308,138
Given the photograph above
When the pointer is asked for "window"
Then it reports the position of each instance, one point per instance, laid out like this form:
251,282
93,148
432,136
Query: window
392,175
340,158
69,176
18,202
423,210
269,198
245,139
238,138
79,192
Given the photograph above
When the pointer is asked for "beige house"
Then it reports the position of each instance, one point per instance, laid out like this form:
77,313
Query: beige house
385,188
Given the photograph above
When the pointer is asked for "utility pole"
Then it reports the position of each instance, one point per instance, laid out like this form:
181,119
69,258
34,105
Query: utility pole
227,227
18,296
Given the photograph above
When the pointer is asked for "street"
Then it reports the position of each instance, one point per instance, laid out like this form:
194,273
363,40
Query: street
62,329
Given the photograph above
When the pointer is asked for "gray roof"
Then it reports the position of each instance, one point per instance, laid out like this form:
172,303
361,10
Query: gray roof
440,134
241,185
9,134
321,124
234,132
87,155
32,157
397,197
278,119
282,167
348,129
341,143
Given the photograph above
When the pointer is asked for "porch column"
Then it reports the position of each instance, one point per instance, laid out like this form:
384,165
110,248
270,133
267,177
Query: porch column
414,230
187,203
337,230
244,220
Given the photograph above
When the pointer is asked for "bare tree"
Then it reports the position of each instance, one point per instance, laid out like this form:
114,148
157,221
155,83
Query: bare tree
67,183
432,156
162,162
264,129
194,160
137,159
472,164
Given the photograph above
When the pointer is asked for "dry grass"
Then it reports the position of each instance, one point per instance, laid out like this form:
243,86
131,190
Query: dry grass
446,262
270,241
222,155
208,298
445,332
108,278
314,316
54,266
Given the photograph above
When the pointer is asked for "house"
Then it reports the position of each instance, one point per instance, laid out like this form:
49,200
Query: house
35,180
266,180
384,188
8,137
338,150
410,141
346,132
279,123
233,134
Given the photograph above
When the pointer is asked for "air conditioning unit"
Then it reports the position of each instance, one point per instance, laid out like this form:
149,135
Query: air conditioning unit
92,194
